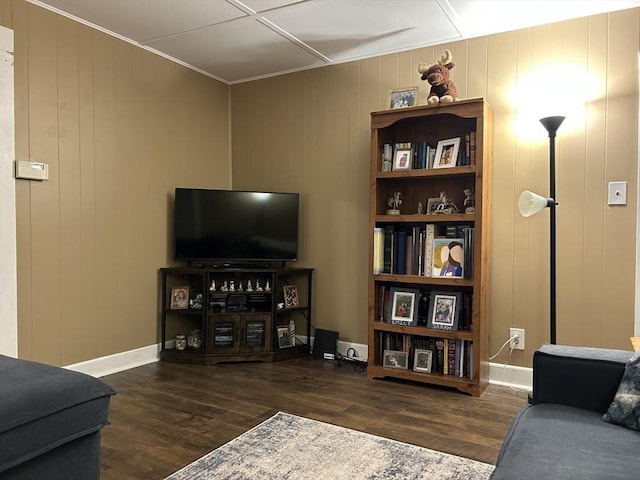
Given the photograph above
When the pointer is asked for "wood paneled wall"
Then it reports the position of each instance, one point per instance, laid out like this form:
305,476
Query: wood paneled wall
120,128
309,132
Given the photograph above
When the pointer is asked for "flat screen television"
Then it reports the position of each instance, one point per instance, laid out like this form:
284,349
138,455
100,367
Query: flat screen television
230,226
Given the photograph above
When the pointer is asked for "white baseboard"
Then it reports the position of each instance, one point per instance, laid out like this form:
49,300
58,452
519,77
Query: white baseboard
99,367
499,374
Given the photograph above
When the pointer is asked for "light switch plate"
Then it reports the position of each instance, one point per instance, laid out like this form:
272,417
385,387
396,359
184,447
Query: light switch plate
617,193
32,170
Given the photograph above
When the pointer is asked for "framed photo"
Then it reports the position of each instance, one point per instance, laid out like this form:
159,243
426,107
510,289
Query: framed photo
422,360
402,97
432,205
447,153
284,336
290,296
179,298
404,303
395,359
448,257
402,159
444,310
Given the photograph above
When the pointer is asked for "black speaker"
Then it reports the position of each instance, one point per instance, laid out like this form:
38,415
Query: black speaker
325,344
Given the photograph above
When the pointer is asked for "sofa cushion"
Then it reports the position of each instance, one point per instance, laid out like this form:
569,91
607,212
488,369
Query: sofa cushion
560,442
43,407
625,408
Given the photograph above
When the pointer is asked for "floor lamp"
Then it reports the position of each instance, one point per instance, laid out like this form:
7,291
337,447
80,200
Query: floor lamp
531,203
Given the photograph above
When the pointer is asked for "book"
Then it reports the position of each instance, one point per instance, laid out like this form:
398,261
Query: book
400,253
378,250
388,249
428,249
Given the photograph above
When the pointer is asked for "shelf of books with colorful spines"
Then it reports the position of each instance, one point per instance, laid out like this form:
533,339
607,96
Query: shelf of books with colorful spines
427,355
422,155
428,251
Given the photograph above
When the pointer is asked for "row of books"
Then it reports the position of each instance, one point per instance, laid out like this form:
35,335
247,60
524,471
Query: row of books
419,251
423,156
422,305
447,356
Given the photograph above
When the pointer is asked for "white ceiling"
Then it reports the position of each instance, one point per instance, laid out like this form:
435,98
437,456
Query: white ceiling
235,41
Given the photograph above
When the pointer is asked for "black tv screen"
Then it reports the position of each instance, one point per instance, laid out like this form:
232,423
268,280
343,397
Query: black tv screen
230,225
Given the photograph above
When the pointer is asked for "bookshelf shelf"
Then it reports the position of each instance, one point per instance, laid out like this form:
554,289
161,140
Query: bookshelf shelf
407,263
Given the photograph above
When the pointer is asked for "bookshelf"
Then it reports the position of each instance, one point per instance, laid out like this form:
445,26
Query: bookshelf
428,296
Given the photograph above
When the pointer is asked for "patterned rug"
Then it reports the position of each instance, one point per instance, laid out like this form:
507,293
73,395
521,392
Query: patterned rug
289,447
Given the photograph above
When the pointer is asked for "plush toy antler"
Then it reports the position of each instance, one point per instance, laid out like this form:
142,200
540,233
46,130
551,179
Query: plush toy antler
442,88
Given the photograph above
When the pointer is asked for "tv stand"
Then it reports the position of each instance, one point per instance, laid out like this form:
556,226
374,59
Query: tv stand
237,312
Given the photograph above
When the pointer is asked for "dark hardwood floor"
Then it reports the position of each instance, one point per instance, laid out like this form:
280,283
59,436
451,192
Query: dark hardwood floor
166,415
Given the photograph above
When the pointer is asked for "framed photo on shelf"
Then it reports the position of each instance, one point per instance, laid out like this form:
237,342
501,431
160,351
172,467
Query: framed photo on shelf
284,336
404,303
402,159
448,257
290,296
432,205
444,310
447,153
422,361
395,359
402,97
179,298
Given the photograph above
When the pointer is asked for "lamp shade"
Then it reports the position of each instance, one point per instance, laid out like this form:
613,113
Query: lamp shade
531,203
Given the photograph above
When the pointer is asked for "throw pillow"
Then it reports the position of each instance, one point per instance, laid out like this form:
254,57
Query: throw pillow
625,408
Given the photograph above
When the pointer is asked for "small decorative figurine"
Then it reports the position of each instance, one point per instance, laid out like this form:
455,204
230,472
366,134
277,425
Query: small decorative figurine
267,287
258,287
394,202
249,286
239,286
212,288
232,286
224,288
420,208
469,201
446,205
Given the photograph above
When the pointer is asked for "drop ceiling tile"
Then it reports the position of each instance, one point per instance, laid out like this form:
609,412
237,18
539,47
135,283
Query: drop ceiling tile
236,50
143,20
346,30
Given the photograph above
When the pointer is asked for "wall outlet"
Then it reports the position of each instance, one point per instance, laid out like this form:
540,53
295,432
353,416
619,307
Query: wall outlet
516,344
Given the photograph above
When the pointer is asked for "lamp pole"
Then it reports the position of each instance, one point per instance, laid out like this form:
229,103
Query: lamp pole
552,124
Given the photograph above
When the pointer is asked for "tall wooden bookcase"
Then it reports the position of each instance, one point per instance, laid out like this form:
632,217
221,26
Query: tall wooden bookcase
459,357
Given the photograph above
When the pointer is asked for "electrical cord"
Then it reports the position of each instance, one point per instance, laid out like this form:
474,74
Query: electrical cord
352,359
502,347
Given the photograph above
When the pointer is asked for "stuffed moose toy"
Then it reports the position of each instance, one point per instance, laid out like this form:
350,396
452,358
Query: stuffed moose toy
443,89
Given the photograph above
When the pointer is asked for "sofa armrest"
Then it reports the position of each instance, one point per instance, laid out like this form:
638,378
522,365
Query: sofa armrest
580,377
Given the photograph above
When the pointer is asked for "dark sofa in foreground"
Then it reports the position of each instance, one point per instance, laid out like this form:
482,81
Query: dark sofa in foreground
50,421
562,435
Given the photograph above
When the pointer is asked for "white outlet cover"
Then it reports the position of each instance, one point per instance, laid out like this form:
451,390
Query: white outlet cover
617,193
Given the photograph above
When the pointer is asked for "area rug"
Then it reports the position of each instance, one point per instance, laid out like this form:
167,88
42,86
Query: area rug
290,447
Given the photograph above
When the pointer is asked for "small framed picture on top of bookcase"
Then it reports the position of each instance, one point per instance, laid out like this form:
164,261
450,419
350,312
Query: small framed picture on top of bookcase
447,153
444,310
402,97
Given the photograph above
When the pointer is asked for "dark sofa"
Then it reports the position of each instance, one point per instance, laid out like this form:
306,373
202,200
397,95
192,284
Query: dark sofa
561,434
50,421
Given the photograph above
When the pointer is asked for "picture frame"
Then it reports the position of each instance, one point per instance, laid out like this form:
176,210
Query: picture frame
444,310
395,359
447,153
432,205
402,97
179,298
403,306
422,360
284,336
447,259
290,296
402,159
